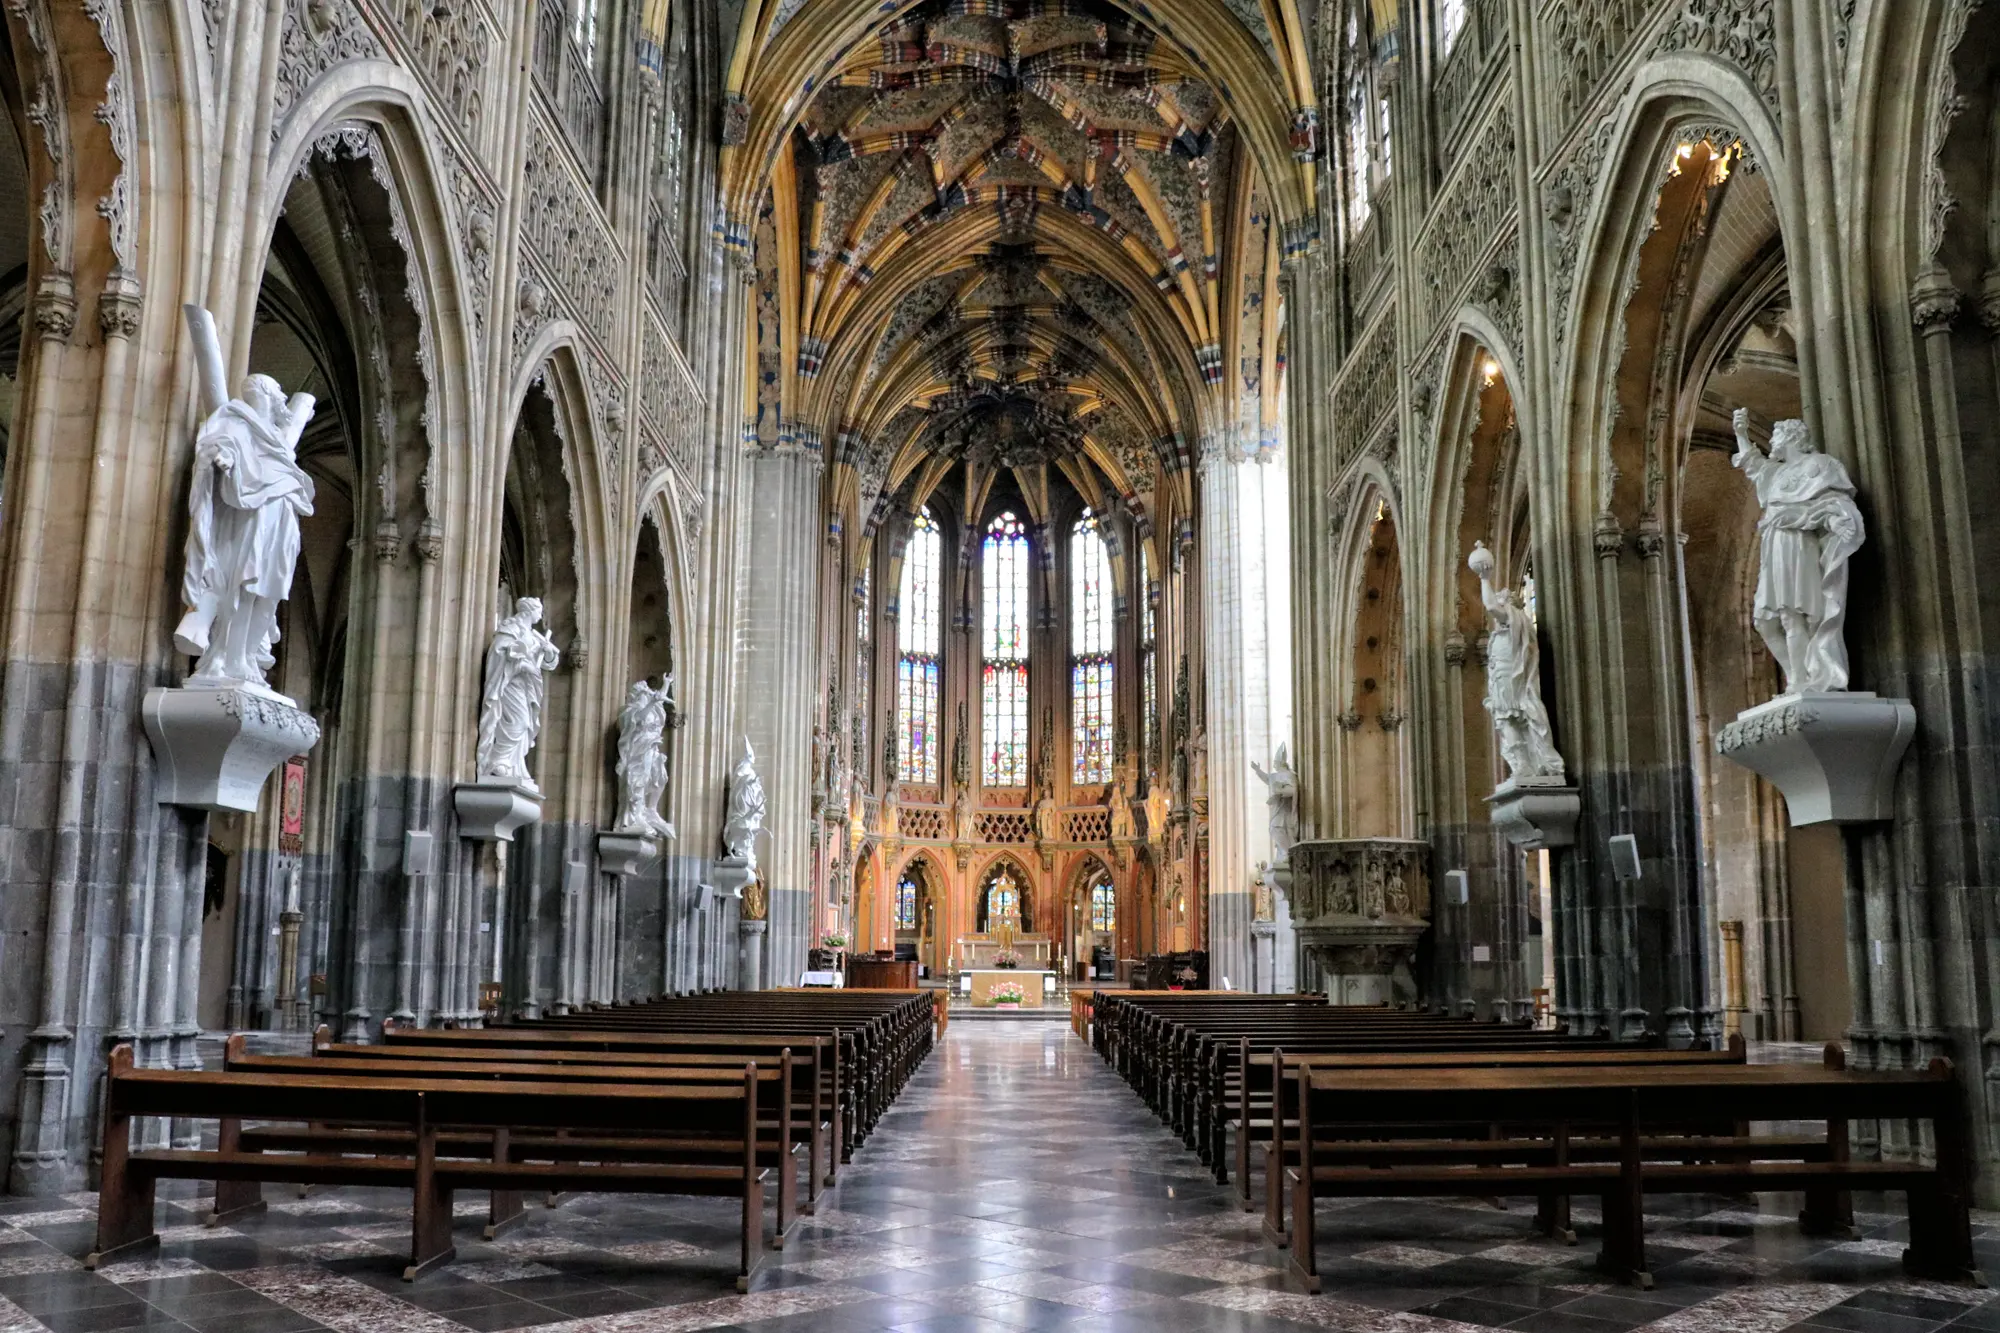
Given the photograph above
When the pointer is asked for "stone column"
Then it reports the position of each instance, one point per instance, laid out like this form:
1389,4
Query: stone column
1246,615
779,545
750,955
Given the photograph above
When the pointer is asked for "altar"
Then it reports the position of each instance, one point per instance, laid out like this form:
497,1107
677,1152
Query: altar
977,985
978,952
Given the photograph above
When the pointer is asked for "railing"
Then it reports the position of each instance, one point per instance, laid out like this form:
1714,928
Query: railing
1365,264
1461,75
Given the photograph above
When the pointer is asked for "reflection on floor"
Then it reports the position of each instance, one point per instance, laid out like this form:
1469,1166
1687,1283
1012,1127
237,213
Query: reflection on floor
1016,1185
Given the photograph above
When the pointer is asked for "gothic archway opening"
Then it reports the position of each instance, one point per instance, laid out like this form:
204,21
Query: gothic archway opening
1374,759
1005,901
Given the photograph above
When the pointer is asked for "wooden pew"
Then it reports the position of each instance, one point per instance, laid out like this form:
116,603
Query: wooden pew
423,1109
784,1138
820,1052
1637,1101
1279,1070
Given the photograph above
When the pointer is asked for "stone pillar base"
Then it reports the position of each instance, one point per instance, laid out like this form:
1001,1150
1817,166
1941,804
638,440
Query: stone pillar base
1535,813
1834,756
215,747
492,811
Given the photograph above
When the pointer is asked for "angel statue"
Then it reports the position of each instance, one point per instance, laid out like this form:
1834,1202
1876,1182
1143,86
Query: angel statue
510,712
1283,801
245,501
745,814
1514,679
1810,529
642,765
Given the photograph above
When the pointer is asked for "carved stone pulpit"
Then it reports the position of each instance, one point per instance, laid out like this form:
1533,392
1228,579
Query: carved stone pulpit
1359,906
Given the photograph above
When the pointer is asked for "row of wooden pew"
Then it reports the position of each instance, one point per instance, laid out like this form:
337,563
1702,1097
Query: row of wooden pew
1345,1102
729,1094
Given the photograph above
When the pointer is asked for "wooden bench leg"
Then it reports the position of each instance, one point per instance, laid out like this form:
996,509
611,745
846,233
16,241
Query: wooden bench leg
234,1198
788,1195
1830,1211
124,1200
1243,1199
1624,1253
1940,1212
504,1207
1304,1266
430,1210
1552,1217
1274,1198
753,1227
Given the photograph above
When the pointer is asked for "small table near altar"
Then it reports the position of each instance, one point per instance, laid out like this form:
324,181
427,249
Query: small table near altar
978,984
977,952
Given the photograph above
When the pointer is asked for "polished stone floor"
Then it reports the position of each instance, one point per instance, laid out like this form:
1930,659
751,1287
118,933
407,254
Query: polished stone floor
1016,1185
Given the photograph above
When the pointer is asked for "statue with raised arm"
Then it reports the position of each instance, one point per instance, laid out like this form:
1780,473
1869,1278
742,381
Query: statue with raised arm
1283,800
245,500
510,710
1811,527
1513,678
642,762
745,814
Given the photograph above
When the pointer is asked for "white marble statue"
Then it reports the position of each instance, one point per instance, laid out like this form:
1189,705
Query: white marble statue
1810,529
510,712
1513,678
642,764
745,815
245,501
1283,800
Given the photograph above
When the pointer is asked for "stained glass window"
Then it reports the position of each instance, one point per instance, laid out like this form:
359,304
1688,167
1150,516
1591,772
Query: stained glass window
1451,22
1103,906
906,903
583,27
918,644
1090,650
1359,154
1004,652
864,653
1149,660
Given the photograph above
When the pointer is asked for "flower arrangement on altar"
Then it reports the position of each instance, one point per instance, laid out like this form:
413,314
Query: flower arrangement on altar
834,942
1007,958
1007,993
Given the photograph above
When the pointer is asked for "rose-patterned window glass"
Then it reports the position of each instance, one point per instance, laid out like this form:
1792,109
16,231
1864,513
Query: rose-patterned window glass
1003,583
918,644
1091,705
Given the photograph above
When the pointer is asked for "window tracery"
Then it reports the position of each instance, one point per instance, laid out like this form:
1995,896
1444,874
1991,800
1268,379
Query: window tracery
1004,652
906,902
1103,907
1091,702
919,644
1149,663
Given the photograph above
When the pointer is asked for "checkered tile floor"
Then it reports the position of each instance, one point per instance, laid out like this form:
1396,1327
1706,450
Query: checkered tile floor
1016,1185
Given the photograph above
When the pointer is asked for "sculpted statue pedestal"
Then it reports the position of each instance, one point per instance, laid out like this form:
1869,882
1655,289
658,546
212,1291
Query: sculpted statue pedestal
215,747
625,853
1534,813
733,874
1833,754
492,811
1359,905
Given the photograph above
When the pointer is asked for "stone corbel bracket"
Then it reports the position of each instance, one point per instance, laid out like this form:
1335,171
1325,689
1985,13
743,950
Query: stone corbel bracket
494,810
1833,755
624,853
216,747
1536,814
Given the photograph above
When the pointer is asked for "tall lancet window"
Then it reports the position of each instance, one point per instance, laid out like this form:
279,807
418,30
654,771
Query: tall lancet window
864,666
1090,650
1149,663
583,28
918,643
1451,22
1003,581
